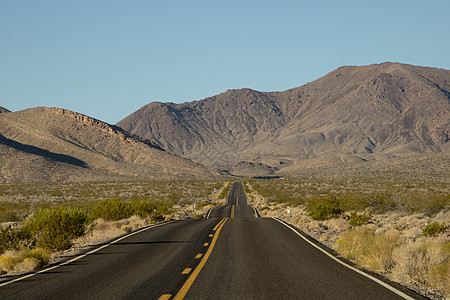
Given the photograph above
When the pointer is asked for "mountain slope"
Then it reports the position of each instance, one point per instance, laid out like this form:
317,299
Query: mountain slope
352,111
3,110
35,141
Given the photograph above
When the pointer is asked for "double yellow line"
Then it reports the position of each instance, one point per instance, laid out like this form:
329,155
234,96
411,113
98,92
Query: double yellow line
187,285
232,207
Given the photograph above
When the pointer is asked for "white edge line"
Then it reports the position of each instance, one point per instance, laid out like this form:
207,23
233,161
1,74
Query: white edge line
256,213
400,293
209,212
86,254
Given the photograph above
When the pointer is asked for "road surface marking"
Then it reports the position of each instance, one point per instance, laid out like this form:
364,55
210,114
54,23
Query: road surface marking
165,297
392,289
256,213
186,271
209,212
211,235
218,224
205,244
187,285
232,211
198,256
237,199
86,254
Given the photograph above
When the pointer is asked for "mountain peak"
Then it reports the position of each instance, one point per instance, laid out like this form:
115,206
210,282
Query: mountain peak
362,111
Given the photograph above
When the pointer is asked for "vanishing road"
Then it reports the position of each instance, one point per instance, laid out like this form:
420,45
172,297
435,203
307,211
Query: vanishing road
233,254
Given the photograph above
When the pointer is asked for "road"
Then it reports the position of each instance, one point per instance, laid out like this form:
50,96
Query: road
232,254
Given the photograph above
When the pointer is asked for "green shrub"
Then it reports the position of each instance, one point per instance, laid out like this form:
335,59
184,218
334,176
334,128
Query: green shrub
14,239
324,212
157,217
202,204
112,210
198,217
265,207
143,208
434,229
358,220
55,228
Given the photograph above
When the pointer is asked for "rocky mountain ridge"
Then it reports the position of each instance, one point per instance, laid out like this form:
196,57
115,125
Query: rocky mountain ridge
50,144
352,113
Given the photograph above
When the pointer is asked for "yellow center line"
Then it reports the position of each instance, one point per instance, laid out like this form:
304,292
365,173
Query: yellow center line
165,297
205,244
218,224
187,285
186,271
198,256
211,235
237,199
232,211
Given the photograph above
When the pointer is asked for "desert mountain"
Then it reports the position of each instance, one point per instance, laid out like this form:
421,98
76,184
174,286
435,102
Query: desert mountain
350,114
57,144
3,110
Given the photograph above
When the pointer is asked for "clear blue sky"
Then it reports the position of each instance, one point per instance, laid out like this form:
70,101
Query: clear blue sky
107,58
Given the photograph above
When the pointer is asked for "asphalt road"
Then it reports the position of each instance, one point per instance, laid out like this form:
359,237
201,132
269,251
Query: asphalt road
231,255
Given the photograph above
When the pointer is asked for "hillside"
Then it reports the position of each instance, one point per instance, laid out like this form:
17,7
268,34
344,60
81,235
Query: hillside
41,144
351,114
3,110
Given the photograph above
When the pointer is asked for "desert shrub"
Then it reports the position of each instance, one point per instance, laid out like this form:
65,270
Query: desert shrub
55,228
323,207
39,254
224,193
7,262
157,217
373,251
423,263
143,208
434,229
426,202
198,217
11,239
25,260
202,204
265,207
358,219
324,212
127,228
112,210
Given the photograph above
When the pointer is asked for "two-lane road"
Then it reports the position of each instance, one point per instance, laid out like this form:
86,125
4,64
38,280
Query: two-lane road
230,255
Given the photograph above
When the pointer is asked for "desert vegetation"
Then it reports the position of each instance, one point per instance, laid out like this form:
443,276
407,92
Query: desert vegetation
41,220
392,225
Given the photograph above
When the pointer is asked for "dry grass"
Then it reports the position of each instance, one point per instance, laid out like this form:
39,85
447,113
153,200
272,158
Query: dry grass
370,250
23,261
423,263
